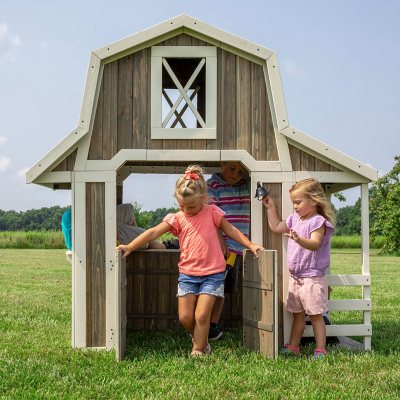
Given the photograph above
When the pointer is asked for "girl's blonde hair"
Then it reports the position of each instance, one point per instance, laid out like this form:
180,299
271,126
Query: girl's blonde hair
191,183
313,190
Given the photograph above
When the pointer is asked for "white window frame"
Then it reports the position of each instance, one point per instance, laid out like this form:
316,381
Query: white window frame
209,53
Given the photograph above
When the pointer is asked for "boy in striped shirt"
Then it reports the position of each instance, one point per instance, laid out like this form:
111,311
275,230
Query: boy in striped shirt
230,191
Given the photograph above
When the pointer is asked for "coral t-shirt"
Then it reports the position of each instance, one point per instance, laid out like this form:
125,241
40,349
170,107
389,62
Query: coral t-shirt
201,252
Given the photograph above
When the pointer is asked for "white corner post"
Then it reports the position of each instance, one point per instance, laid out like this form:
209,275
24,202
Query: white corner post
287,209
78,263
110,243
366,290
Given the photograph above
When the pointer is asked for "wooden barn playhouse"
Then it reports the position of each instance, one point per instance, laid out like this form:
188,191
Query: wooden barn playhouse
178,93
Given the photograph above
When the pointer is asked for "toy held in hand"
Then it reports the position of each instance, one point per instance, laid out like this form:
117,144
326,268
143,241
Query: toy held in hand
261,192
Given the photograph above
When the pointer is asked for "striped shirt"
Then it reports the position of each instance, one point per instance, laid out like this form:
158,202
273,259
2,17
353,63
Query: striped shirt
234,200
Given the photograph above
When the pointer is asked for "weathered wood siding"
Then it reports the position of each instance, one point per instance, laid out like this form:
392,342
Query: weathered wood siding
258,309
67,164
303,161
95,265
123,120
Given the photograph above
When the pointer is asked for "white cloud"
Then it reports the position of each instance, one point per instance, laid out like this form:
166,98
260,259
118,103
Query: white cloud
44,45
4,163
9,44
3,140
294,70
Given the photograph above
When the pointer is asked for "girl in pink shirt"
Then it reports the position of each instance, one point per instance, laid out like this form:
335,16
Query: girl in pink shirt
308,255
202,264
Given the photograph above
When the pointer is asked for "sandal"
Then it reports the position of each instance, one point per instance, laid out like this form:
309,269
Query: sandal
201,353
197,353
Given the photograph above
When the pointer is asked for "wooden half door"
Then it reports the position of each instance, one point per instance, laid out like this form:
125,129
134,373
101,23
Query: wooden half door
120,309
260,302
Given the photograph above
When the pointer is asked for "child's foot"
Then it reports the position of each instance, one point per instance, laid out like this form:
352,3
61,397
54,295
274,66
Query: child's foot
207,350
214,333
197,353
319,353
289,350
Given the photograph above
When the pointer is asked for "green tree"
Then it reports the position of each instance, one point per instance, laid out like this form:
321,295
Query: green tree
385,205
348,219
147,219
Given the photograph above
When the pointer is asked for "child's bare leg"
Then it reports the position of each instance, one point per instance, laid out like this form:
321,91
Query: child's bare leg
186,311
319,329
297,328
204,306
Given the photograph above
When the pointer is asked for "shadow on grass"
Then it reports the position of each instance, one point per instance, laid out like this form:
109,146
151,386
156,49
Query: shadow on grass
175,343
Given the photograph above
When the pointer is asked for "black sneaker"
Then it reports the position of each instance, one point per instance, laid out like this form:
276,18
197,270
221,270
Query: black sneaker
214,333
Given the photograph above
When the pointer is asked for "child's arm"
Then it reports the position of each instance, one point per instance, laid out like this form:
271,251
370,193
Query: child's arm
275,223
145,237
238,236
313,243
222,243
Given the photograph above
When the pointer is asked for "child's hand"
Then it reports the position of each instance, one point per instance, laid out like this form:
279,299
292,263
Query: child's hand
125,250
268,202
293,235
254,249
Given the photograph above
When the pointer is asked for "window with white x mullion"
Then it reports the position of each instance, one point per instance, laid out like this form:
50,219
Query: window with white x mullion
183,82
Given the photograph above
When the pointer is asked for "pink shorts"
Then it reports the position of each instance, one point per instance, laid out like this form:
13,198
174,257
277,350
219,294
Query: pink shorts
308,294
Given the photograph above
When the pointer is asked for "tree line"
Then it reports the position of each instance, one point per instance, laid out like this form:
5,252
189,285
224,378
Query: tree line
384,214
348,219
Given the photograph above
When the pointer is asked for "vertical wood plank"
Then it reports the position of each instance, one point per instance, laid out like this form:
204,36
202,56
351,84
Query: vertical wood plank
200,144
227,104
244,105
141,99
96,140
215,144
110,110
295,157
124,122
259,106
307,162
258,302
67,164
95,279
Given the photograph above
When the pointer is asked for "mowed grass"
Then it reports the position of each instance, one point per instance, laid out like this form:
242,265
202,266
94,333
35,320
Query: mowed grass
37,361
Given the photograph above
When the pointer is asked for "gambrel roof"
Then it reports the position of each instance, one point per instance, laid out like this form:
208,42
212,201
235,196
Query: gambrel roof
78,138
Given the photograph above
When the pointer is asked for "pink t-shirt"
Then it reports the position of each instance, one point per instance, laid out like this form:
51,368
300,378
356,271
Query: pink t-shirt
201,252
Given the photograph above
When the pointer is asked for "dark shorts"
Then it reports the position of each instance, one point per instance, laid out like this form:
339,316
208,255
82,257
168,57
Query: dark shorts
232,276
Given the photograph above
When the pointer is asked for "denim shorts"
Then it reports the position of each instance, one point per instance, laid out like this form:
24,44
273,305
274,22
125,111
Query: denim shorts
208,284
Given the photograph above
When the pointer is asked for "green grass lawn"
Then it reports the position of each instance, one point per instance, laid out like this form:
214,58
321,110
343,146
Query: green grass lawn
37,361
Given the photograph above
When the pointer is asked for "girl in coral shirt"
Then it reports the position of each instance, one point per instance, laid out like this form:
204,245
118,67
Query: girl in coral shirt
202,264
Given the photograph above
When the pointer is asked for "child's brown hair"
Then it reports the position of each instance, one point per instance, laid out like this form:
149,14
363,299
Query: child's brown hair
313,190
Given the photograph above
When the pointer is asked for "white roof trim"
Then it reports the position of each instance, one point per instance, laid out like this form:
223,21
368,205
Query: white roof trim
330,153
55,155
69,143
181,22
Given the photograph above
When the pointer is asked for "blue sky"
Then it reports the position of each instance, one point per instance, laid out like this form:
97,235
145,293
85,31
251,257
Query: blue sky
339,64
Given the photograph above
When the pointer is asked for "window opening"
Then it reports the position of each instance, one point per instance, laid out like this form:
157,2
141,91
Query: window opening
182,83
